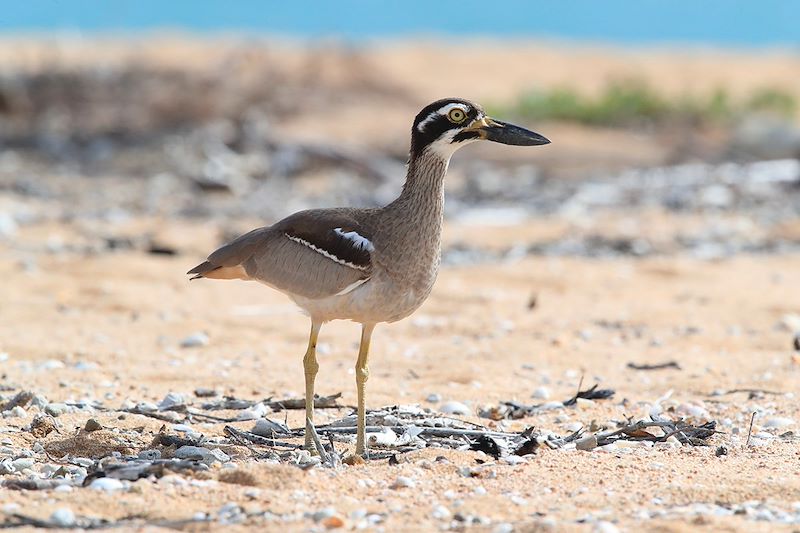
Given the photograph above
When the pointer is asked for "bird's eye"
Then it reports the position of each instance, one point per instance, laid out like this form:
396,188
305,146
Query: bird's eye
456,115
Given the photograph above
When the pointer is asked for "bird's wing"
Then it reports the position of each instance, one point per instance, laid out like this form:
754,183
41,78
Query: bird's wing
315,254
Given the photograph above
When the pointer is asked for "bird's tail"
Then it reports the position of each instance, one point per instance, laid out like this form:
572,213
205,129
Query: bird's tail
209,270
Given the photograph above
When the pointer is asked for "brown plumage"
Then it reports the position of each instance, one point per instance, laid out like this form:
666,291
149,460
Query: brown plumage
367,265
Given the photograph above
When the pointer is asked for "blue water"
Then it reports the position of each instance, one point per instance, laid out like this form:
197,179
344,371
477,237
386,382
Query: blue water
738,23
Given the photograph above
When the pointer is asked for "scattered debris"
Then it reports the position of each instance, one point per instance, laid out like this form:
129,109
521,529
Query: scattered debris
684,432
202,392
592,393
487,445
586,443
750,429
659,366
195,340
21,399
42,425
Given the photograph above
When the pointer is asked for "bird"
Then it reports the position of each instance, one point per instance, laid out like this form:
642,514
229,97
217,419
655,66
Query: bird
368,265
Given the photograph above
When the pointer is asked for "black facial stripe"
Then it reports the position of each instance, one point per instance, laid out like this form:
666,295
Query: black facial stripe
465,136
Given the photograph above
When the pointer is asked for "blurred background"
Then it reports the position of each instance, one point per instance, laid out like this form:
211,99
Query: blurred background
169,127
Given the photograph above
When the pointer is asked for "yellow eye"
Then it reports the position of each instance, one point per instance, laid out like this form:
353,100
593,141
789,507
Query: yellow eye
456,115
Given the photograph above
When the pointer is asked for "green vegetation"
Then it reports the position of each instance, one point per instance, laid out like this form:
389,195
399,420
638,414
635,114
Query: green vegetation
627,103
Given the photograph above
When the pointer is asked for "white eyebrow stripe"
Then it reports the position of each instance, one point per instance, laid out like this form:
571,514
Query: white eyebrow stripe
442,111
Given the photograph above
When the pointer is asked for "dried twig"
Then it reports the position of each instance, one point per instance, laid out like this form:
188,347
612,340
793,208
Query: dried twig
33,484
749,391
427,431
239,435
750,430
323,454
320,402
17,520
658,366
592,393
151,414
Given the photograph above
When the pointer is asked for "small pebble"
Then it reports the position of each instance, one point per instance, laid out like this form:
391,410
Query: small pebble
586,443
541,393
333,522
150,455
254,412
92,425
22,463
56,409
195,340
16,412
440,512
605,527
146,407
322,514
403,482
107,484
778,422
39,401
454,408
203,454
269,428
519,500
253,493
433,398
354,460
63,517
83,461
549,406
583,403
171,400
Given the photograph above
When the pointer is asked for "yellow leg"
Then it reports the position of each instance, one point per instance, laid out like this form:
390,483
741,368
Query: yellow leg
311,367
362,374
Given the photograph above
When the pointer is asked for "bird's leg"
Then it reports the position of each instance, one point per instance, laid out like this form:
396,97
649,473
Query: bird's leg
311,367
362,374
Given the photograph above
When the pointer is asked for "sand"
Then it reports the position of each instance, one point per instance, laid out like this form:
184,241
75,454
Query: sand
122,316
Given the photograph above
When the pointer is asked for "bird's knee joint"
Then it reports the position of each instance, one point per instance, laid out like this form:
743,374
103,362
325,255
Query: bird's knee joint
311,367
362,374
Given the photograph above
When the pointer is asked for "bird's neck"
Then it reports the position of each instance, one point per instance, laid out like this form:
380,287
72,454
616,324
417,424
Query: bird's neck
423,191
412,224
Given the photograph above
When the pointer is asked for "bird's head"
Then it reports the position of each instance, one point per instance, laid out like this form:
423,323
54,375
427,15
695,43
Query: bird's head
446,125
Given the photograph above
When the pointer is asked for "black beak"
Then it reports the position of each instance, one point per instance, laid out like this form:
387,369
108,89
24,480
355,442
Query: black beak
505,133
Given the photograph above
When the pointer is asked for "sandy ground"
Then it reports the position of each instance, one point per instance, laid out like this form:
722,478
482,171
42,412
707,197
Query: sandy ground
115,322
108,327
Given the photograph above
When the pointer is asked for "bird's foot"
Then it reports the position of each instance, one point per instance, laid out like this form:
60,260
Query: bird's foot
309,445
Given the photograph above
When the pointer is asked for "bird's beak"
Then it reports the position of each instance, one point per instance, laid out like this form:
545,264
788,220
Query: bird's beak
505,133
